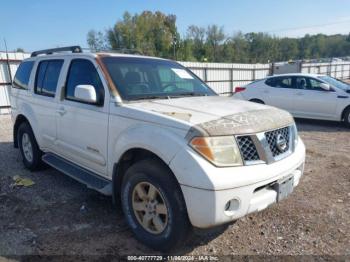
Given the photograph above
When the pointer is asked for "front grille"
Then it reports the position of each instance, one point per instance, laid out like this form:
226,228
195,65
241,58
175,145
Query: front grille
271,138
248,149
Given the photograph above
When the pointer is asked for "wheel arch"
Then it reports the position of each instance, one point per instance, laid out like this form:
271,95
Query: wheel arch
19,120
344,111
127,159
257,100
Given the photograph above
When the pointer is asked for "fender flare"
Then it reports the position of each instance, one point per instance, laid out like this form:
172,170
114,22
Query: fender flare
27,112
149,138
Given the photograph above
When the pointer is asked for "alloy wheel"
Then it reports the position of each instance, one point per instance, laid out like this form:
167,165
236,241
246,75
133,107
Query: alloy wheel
27,147
149,208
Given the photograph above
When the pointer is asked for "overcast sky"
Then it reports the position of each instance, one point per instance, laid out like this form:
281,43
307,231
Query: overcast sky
38,24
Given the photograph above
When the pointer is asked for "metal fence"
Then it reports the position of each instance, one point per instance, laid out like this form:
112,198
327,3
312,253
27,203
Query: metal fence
8,65
223,78
340,70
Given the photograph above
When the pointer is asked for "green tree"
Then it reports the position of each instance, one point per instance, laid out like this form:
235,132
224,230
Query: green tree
196,36
97,41
151,33
156,34
215,38
288,49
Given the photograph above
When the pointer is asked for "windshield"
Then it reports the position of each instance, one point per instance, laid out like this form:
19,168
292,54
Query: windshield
335,82
145,78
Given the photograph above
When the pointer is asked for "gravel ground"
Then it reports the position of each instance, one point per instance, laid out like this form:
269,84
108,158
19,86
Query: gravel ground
58,216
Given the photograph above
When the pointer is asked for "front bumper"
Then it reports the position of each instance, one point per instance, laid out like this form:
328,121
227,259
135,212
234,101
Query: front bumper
249,187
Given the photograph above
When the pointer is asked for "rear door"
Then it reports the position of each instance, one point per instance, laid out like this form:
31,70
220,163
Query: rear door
82,127
279,92
312,101
44,104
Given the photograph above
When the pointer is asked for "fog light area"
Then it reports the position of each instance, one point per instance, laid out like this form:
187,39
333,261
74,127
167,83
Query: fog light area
232,206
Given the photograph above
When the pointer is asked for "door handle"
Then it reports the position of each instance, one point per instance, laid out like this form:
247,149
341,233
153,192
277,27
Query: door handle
300,94
62,111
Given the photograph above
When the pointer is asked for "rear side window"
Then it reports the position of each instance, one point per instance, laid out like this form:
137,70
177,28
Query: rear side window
83,72
271,82
280,82
47,76
22,76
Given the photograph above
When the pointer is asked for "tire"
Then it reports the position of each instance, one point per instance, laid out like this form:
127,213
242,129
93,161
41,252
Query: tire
258,101
347,117
175,225
31,154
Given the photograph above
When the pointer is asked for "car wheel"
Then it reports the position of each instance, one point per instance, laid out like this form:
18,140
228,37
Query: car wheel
153,205
347,117
258,101
31,154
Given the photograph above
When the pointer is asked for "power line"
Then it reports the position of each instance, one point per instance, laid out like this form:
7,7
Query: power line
306,27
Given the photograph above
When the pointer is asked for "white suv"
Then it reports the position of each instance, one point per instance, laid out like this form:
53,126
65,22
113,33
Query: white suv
147,131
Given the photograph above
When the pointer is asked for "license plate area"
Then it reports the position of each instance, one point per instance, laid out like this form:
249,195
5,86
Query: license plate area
284,188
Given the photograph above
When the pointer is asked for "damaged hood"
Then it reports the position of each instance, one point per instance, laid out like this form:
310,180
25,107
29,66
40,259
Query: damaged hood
215,115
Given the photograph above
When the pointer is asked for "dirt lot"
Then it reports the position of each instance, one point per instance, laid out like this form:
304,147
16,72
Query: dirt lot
58,216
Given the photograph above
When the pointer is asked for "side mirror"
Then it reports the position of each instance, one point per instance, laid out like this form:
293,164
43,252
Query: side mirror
85,93
325,87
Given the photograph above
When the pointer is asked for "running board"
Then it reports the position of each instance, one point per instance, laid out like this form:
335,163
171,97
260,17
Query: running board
90,179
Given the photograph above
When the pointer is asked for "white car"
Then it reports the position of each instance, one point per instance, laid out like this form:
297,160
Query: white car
147,131
303,95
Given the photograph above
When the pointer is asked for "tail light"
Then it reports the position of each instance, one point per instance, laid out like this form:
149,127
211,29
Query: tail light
239,89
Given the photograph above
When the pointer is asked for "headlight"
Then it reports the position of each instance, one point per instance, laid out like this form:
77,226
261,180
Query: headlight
221,151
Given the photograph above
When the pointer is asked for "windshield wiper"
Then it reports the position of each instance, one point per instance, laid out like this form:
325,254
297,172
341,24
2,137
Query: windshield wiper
148,98
188,94
179,95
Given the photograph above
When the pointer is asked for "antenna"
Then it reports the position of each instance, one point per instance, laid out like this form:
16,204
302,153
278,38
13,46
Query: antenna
8,61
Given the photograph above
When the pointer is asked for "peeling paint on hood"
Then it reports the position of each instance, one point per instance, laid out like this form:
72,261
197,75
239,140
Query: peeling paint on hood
244,123
182,116
215,116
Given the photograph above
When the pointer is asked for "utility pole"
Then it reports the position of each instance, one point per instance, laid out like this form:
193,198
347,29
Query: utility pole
174,46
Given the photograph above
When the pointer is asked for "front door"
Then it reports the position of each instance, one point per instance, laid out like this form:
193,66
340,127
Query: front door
82,127
312,101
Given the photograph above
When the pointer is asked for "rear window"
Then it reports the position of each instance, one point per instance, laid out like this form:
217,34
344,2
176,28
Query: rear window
47,76
22,76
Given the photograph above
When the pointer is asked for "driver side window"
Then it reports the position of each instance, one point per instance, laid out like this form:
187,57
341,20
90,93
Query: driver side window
83,72
315,85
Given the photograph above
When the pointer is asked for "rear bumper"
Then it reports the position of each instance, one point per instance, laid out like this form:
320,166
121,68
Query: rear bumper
206,207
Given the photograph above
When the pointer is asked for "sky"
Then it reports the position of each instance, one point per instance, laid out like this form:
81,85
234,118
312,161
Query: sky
41,24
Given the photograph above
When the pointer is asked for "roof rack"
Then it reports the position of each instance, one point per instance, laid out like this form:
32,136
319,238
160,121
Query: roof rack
117,50
73,49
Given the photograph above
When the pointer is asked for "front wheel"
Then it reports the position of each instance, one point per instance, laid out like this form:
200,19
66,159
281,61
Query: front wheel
154,206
